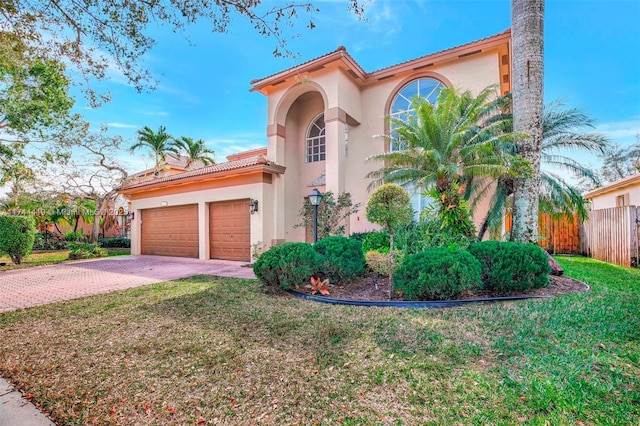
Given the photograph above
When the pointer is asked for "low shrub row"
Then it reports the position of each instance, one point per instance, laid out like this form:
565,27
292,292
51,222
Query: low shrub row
289,265
118,242
433,274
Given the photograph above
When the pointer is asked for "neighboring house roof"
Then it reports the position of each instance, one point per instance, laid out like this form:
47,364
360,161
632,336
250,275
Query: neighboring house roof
246,154
356,71
173,161
221,170
628,181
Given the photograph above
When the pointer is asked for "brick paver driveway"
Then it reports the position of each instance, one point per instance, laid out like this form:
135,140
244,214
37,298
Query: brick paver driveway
47,284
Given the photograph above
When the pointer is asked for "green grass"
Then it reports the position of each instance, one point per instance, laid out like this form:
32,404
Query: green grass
221,351
51,258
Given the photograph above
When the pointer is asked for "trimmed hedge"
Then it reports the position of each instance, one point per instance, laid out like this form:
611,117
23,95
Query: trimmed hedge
511,267
287,265
438,274
115,242
342,258
17,234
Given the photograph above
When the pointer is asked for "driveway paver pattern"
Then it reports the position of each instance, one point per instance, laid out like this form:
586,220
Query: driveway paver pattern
23,288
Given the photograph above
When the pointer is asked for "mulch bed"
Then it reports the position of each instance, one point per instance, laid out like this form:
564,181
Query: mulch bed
365,289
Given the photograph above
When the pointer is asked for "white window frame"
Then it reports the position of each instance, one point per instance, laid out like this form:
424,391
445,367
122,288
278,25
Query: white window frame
315,146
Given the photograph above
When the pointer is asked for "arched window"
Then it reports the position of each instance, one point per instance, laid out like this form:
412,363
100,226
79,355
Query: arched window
316,140
428,89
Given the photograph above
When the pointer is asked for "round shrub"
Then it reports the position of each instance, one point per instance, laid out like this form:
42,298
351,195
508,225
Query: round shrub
17,234
287,265
511,267
437,274
342,258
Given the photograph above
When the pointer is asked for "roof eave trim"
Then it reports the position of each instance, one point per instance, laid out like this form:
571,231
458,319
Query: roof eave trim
151,185
613,186
337,55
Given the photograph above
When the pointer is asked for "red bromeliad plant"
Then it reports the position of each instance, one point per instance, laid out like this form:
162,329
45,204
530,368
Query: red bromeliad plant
319,286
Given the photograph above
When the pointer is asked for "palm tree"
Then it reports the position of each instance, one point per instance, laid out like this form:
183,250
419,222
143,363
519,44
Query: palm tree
562,130
442,147
160,142
527,17
195,151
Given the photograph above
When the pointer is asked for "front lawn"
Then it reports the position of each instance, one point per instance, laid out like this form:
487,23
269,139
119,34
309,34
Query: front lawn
50,258
209,350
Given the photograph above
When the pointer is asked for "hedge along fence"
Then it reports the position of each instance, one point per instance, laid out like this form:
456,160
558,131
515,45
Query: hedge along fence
17,235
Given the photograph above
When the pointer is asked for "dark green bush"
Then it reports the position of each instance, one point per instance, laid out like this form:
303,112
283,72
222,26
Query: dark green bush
17,234
437,274
287,265
115,242
360,236
52,241
342,258
511,267
376,241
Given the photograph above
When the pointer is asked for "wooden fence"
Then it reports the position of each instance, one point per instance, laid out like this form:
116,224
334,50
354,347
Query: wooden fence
557,235
611,235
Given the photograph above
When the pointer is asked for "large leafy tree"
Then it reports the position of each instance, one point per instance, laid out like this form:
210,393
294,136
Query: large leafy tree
195,151
93,35
620,162
442,148
160,142
34,102
527,18
564,131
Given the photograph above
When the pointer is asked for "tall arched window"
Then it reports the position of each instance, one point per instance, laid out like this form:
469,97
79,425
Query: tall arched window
428,89
315,143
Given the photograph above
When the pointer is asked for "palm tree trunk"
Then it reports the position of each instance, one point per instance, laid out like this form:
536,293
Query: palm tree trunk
527,17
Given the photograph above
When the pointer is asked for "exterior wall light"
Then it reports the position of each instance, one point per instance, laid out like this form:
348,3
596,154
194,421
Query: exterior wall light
253,206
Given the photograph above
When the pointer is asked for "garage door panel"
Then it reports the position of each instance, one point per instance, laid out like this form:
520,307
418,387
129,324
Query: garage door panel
170,231
230,230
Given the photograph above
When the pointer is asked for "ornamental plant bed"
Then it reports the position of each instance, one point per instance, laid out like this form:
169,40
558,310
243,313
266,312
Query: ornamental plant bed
364,289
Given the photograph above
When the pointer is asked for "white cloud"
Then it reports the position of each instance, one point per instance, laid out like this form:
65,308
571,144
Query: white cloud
155,113
621,132
234,143
123,126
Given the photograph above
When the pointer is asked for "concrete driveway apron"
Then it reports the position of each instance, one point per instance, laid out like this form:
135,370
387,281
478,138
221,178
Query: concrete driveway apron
42,285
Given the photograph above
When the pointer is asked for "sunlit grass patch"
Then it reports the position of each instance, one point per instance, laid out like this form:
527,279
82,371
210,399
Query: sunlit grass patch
221,351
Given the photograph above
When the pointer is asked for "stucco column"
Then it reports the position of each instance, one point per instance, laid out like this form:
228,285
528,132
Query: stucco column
203,231
275,153
334,120
135,232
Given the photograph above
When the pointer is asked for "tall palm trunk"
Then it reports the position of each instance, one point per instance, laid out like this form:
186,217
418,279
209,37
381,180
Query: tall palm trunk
527,17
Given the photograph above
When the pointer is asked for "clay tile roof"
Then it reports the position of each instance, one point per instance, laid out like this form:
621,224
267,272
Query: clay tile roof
461,46
341,49
257,160
341,52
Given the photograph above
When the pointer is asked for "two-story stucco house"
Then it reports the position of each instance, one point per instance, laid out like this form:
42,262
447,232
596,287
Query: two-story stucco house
325,117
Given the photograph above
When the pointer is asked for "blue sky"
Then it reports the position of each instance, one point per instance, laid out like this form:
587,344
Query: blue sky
592,61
